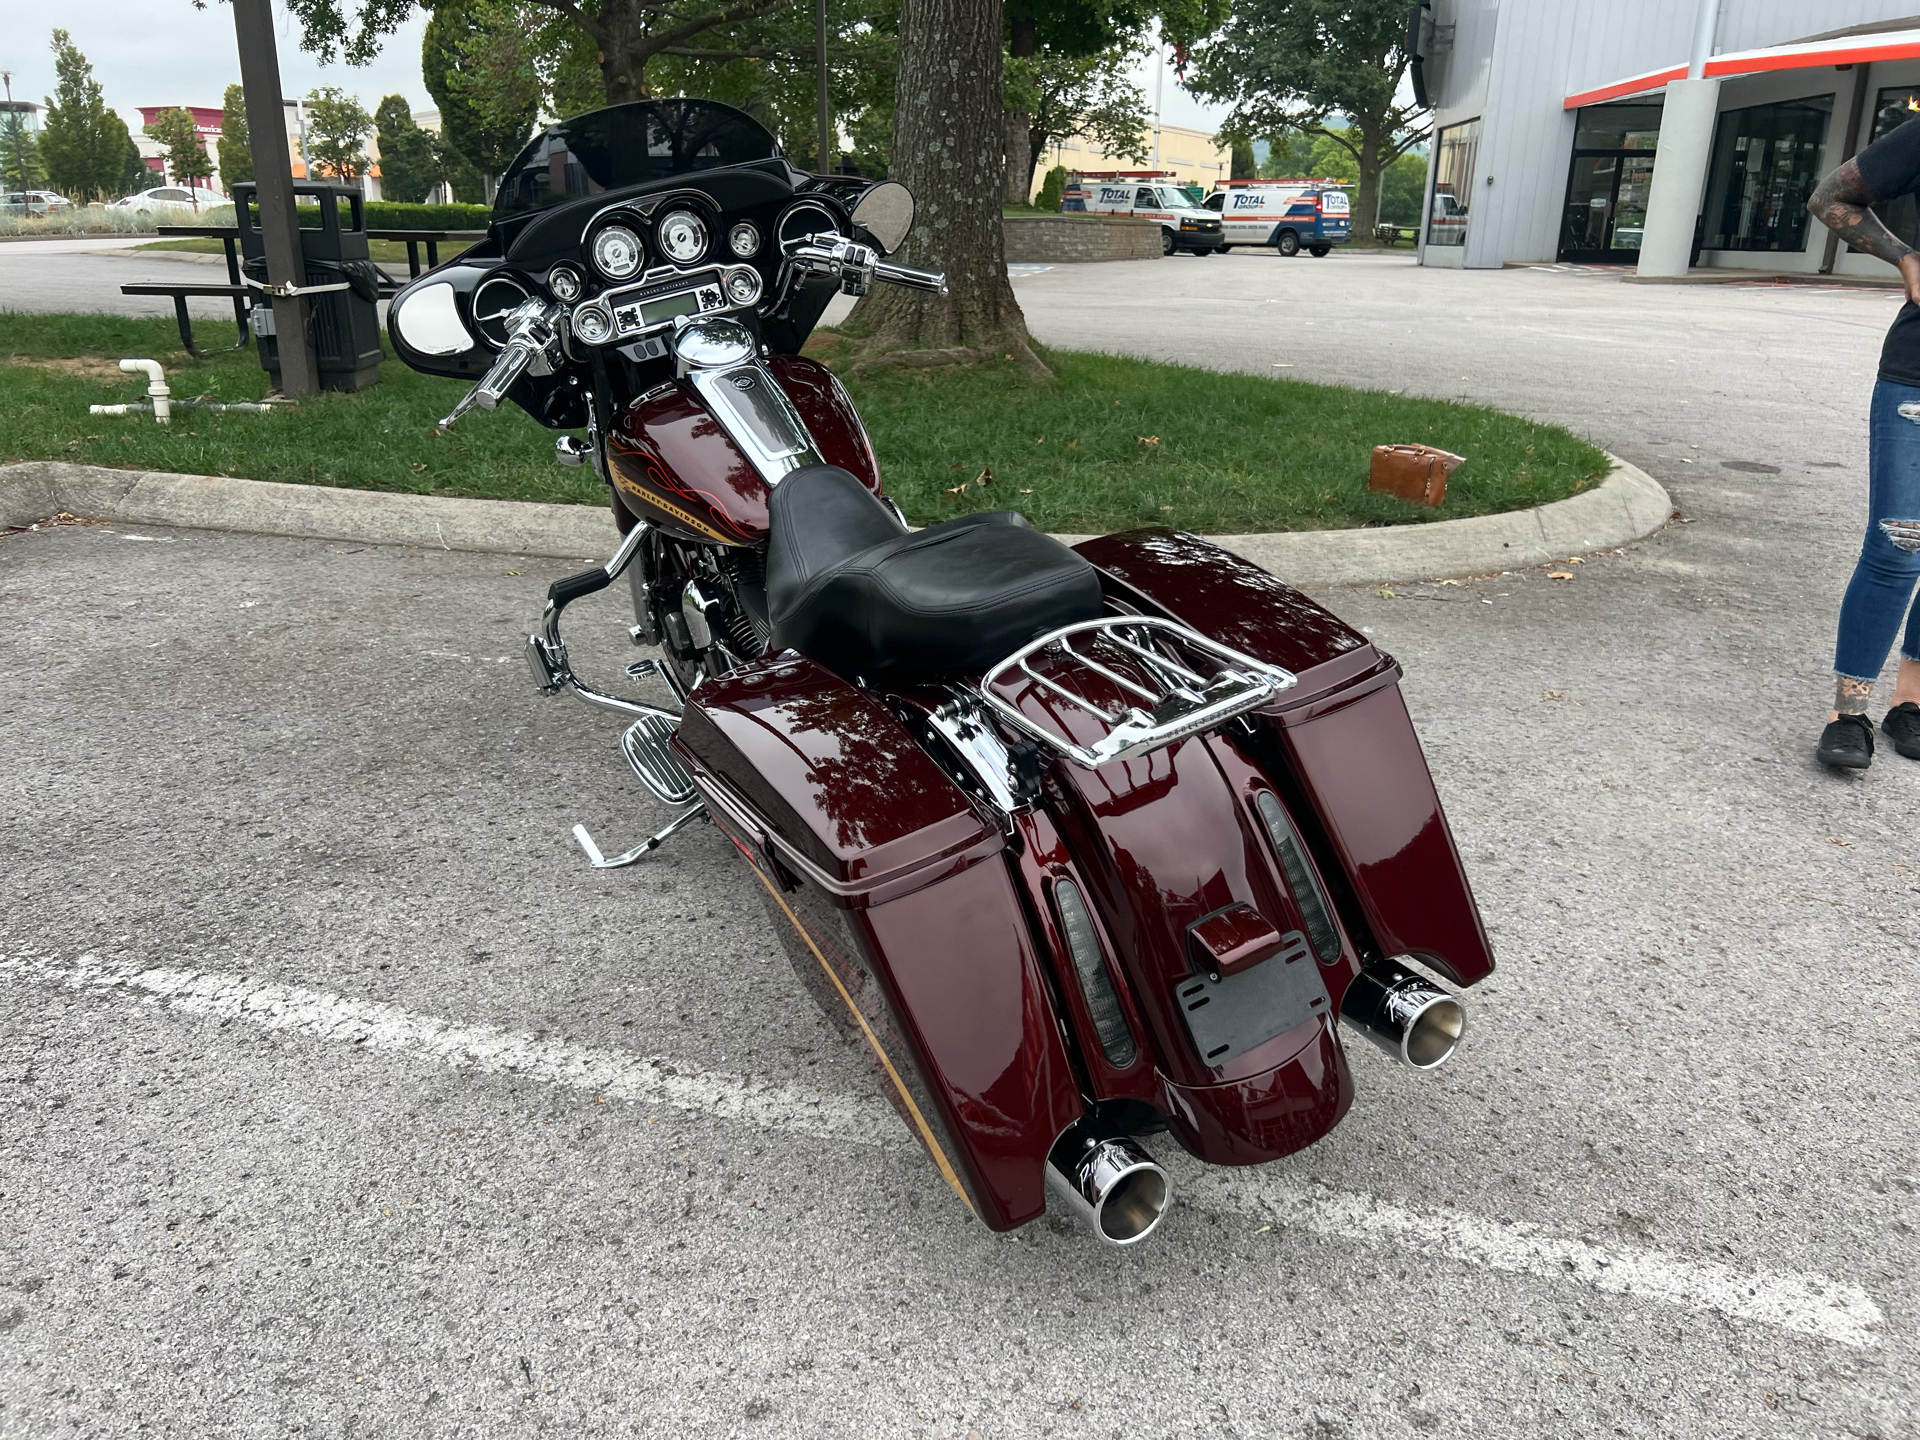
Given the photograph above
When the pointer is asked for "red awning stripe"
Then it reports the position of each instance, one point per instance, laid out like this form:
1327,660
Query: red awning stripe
1852,50
1847,50
1636,85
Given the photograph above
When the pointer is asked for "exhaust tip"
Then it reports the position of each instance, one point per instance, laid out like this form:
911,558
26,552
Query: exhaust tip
1113,1186
1405,1014
1434,1033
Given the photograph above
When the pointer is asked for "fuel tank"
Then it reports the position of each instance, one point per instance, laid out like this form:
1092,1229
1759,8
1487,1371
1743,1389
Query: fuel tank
673,464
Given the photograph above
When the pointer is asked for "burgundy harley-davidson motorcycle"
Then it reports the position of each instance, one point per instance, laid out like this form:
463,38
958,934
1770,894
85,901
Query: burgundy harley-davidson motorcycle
1086,844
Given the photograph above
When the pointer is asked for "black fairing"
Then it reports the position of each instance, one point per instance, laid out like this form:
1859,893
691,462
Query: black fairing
715,160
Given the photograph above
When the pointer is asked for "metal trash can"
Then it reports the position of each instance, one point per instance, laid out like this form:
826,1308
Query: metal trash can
346,322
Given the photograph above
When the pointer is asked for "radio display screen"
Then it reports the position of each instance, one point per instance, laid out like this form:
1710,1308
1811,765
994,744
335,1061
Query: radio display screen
687,302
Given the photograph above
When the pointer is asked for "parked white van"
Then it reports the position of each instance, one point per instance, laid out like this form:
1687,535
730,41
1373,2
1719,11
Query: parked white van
1146,195
1289,215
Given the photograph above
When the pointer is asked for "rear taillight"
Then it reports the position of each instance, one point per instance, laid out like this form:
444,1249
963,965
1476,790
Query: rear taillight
1090,967
1314,914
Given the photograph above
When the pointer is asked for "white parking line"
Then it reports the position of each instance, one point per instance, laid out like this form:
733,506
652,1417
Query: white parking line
1808,1304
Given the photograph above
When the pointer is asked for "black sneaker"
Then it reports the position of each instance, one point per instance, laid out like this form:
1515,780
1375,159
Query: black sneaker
1903,728
1847,743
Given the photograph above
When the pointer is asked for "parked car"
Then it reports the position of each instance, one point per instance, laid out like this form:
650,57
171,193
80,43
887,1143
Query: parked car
33,202
1289,215
1145,195
164,195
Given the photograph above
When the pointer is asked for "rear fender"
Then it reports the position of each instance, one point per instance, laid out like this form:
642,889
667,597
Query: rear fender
901,896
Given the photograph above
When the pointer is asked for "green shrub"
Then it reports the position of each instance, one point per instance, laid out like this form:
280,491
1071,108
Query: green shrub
397,215
1051,188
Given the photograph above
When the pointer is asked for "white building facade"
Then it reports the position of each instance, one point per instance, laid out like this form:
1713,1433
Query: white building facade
1548,118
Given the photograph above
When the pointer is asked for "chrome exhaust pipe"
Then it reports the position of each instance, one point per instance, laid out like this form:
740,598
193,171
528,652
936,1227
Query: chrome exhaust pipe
1113,1186
1405,1014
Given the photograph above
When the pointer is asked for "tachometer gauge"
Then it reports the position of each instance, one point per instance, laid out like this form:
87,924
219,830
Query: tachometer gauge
617,252
743,239
682,237
564,283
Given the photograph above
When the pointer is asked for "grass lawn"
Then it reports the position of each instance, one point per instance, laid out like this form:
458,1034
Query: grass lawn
1109,443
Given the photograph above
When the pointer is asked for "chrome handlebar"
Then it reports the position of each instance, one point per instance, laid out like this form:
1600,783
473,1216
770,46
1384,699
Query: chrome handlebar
533,341
856,266
532,344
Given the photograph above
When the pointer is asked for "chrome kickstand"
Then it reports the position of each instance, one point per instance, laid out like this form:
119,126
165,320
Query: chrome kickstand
652,842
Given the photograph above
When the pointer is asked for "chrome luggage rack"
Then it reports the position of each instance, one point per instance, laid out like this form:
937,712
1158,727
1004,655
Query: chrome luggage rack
1186,703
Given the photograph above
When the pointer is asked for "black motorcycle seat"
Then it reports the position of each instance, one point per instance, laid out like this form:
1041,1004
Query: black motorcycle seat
850,586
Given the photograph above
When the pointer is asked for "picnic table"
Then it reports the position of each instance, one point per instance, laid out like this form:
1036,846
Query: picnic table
236,287
432,239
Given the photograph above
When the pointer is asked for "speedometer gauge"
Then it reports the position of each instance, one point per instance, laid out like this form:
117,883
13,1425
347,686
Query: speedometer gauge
681,237
616,252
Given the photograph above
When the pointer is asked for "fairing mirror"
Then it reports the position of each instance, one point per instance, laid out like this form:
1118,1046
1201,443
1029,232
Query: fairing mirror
886,213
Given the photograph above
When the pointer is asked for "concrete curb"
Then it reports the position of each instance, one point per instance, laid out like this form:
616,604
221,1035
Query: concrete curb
1628,505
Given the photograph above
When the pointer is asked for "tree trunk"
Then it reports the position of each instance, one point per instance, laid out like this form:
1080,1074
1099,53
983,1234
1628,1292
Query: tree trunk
1023,42
949,142
1020,157
1366,204
624,54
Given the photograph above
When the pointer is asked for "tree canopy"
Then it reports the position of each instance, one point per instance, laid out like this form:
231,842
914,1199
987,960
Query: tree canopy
186,155
407,168
623,37
83,143
337,130
20,167
1294,65
235,146
484,83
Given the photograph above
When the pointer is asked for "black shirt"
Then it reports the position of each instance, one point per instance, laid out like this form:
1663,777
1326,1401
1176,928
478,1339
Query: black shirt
1891,168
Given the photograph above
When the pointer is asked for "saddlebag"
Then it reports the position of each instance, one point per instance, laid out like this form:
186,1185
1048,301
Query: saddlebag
900,915
1340,744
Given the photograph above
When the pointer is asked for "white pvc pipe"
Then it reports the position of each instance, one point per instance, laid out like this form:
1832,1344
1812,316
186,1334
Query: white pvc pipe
157,389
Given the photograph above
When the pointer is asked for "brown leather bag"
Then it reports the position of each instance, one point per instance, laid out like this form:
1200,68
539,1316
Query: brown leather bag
1417,473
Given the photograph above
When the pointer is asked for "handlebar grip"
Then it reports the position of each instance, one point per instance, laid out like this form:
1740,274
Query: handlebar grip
914,279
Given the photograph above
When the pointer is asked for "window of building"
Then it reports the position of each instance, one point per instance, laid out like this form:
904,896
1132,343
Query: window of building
1766,161
1618,127
1892,108
1456,152
1608,185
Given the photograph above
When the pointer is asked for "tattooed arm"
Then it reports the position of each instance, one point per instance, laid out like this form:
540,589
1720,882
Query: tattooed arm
1840,203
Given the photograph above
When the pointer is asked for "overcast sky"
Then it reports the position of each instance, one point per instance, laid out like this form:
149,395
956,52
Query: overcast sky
165,52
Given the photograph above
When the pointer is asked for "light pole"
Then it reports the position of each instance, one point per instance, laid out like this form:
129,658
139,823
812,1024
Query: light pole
273,180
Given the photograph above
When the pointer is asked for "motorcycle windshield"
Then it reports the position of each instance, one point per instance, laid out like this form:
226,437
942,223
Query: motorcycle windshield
625,146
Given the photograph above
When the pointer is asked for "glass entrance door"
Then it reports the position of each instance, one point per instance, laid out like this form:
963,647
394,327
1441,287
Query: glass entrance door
1606,214
1606,207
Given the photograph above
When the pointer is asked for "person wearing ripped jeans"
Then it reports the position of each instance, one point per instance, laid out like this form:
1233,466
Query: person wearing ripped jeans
1879,598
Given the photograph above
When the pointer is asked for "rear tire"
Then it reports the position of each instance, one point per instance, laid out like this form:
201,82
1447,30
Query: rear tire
1319,252
1288,244
1166,242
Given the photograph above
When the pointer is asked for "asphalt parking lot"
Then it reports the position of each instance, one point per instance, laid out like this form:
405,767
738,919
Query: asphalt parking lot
341,1097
